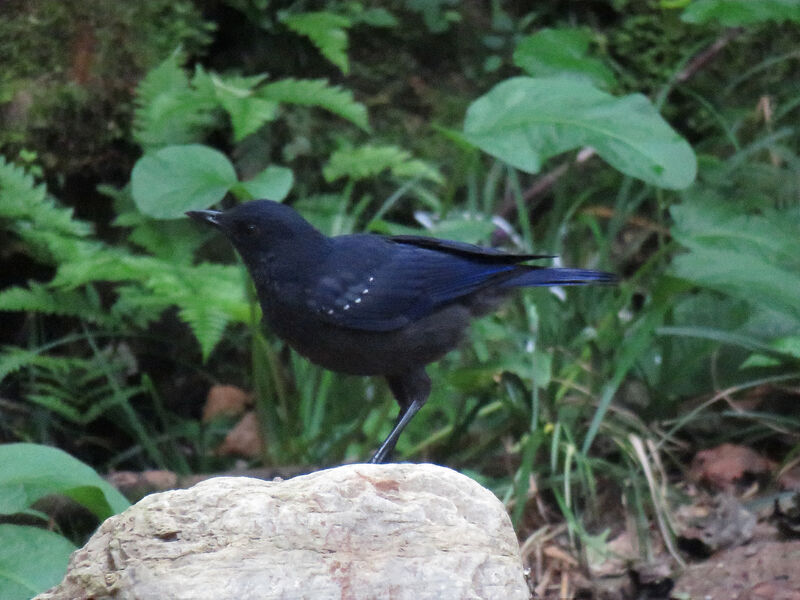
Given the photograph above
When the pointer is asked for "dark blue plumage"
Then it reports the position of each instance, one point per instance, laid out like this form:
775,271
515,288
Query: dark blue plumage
374,305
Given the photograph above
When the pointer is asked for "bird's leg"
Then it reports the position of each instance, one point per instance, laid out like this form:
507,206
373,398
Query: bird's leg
411,390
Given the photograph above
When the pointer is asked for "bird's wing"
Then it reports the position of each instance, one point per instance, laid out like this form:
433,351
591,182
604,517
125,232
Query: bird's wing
467,250
377,284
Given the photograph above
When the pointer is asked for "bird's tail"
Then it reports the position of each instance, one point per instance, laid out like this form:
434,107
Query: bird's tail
545,276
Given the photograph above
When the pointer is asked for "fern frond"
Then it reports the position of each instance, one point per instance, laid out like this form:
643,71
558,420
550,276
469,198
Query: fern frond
138,306
236,95
327,31
27,205
56,406
104,263
317,92
209,297
80,415
14,358
38,298
168,110
368,161
76,389
207,323
205,284
54,248
175,240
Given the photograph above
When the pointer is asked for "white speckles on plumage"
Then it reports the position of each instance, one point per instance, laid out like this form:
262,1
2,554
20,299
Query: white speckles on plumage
346,307
357,300
365,291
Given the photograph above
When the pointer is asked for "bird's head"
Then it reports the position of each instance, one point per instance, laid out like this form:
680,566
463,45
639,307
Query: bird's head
261,227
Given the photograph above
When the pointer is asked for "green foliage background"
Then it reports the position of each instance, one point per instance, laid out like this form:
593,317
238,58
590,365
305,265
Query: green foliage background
654,139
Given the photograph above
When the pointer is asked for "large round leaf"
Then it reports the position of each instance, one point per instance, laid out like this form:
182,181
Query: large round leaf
550,52
526,120
272,183
172,180
31,471
735,13
31,560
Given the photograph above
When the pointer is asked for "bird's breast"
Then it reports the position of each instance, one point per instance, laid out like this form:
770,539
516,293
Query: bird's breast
360,352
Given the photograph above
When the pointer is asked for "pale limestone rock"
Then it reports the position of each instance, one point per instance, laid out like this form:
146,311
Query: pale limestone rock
398,531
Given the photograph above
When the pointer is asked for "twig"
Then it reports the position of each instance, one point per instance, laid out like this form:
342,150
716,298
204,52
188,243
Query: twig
545,183
707,55
633,220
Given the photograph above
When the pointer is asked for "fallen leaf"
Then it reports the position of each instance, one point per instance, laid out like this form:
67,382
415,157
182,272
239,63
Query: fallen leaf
227,400
244,439
618,554
789,479
728,466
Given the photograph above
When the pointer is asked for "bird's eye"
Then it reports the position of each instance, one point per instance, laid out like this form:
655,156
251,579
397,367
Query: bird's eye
247,229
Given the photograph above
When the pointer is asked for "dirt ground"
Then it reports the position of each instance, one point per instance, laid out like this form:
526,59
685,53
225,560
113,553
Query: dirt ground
760,570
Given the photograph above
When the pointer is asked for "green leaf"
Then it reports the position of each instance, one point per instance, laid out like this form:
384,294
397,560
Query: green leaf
473,229
435,13
744,276
536,366
172,240
32,560
207,322
41,299
374,17
170,181
755,257
29,472
327,31
107,264
368,161
273,183
462,227
733,13
168,110
760,361
80,415
26,205
209,296
237,97
789,345
317,92
248,114
327,213
13,359
524,121
561,52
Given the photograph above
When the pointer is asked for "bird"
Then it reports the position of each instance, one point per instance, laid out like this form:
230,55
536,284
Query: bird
374,305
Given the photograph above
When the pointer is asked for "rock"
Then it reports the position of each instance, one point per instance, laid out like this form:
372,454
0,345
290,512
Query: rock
399,531
713,523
